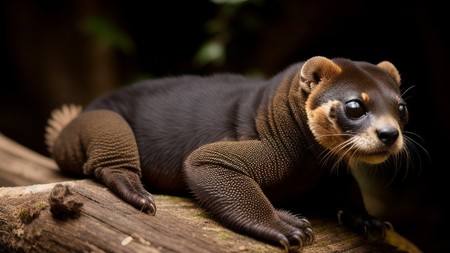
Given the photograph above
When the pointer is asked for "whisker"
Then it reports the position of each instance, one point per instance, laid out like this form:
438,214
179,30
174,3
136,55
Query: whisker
355,155
405,91
332,155
347,147
416,147
405,159
415,135
337,134
416,143
395,161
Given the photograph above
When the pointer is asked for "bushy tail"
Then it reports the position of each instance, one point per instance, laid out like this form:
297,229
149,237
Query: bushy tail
60,118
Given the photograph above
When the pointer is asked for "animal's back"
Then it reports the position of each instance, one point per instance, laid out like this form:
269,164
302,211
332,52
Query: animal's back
171,117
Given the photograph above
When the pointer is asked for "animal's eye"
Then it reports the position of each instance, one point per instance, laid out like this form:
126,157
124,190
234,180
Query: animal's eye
354,109
402,111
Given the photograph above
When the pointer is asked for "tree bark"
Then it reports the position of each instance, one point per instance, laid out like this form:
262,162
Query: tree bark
101,222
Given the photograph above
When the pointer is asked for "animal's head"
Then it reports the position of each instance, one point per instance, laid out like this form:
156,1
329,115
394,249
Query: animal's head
355,109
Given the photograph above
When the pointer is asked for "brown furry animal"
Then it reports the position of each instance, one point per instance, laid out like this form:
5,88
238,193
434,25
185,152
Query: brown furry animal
243,145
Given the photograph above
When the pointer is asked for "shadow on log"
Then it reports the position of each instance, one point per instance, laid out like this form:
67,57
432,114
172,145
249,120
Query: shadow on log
98,221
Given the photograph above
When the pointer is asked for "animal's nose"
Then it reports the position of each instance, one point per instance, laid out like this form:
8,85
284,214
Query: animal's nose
388,135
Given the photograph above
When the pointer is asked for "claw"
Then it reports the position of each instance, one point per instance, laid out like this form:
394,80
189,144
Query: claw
388,225
307,223
148,207
285,244
298,242
339,215
309,232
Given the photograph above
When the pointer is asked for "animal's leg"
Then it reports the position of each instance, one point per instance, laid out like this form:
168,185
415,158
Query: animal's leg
101,143
225,178
352,210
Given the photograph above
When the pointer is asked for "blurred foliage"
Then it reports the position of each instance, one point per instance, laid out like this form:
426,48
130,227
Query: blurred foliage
221,30
212,51
107,33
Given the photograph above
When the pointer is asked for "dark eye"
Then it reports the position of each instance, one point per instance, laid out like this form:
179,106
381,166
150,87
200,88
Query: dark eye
402,111
354,109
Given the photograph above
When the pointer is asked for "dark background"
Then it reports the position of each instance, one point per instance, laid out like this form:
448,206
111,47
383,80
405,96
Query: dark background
55,52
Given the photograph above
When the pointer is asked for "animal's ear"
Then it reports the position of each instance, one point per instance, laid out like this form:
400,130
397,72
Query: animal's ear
391,69
315,70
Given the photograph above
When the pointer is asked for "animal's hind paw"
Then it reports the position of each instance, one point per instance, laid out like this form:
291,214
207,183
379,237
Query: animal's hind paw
127,185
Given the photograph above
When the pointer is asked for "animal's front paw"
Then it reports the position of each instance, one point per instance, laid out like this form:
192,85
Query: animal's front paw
280,227
296,230
373,228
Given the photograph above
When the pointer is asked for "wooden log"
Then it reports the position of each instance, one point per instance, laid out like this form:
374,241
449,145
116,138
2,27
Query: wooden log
107,224
104,223
22,166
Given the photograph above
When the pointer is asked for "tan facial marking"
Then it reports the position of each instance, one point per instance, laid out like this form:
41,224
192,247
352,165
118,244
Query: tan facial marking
323,127
365,97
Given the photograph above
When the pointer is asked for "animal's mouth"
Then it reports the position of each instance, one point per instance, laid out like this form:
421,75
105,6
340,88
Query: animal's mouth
379,153
373,157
